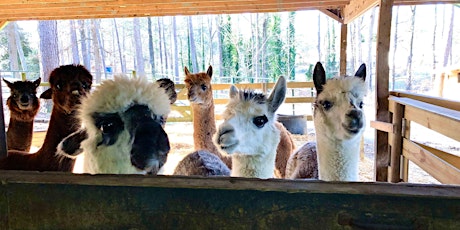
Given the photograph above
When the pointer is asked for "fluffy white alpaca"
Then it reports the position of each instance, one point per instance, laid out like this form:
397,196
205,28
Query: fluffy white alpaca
248,133
339,122
122,128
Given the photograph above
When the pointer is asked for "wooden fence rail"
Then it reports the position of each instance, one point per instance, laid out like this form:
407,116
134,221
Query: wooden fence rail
437,114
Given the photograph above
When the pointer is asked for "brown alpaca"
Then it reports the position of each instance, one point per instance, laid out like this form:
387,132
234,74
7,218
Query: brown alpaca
68,84
283,151
23,105
204,125
303,163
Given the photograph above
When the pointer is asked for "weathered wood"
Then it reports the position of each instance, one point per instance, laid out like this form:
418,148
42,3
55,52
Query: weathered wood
435,166
65,201
447,157
336,17
356,8
3,24
439,119
396,145
382,126
382,71
3,146
446,103
343,49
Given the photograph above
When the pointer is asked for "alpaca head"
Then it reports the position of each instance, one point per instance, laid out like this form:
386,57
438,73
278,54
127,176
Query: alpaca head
23,96
338,109
248,126
68,83
199,86
122,127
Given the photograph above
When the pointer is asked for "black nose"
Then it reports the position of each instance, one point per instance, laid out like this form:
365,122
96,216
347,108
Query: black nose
24,99
355,118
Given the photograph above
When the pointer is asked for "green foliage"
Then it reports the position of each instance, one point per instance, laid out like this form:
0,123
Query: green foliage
291,47
276,54
31,56
229,52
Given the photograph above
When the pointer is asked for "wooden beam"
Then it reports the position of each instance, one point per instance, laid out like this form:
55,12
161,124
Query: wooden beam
382,126
435,166
442,102
343,49
394,172
381,93
332,15
356,8
3,24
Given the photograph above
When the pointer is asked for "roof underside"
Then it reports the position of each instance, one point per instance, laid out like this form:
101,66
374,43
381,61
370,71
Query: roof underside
342,10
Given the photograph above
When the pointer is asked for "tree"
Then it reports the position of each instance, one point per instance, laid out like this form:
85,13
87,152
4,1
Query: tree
192,46
74,42
176,51
138,47
13,48
409,58
395,46
433,46
291,54
151,50
49,48
84,46
120,54
370,56
448,50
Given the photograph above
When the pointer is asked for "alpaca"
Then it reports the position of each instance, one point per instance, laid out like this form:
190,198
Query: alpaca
206,160
201,100
122,134
23,105
339,122
303,163
69,83
248,133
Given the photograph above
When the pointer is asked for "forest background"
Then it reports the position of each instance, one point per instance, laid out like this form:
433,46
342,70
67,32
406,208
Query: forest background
240,47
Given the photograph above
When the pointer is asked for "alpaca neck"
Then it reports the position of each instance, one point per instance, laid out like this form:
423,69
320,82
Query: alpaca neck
257,166
204,126
19,134
337,159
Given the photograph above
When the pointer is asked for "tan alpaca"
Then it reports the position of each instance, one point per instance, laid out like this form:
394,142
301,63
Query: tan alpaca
202,103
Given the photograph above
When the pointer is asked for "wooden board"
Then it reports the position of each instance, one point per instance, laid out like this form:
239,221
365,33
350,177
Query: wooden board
63,201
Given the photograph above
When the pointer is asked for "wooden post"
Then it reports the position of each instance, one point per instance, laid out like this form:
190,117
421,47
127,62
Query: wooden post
396,145
343,49
3,147
405,161
381,83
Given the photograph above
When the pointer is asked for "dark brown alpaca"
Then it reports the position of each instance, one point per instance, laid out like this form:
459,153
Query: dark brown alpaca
68,84
23,105
204,125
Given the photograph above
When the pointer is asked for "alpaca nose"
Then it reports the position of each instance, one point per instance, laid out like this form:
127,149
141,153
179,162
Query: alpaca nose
24,99
354,117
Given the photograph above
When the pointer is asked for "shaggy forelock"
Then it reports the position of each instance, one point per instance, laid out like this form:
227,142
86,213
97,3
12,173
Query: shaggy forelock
250,95
354,85
119,94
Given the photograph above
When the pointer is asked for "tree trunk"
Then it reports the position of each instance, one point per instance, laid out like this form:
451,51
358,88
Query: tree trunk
193,57
20,49
291,47
370,56
160,42
74,42
49,48
101,46
84,48
395,46
140,69
220,44
264,55
318,47
176,51
409,58
13,49
165,48
120,54
433,46
151,50
448,50
97,57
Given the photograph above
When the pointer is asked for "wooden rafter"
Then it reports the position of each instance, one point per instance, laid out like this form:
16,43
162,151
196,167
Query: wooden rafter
357,8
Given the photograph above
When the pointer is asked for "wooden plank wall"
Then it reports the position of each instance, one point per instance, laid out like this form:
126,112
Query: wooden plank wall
437,114
31,200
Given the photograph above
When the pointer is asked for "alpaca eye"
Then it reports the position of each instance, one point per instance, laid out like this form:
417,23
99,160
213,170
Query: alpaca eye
327,105
58,86
260,121
84,85
14,95
204,87
107,127
361,105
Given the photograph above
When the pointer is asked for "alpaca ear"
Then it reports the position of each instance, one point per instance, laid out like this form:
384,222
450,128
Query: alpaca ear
169,88
319,77
47,94
37,82
71,145
361,72
9,84
186,71
278,94
209,72
233,91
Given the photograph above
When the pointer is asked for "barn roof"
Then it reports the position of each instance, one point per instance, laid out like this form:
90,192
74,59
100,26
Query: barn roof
342,10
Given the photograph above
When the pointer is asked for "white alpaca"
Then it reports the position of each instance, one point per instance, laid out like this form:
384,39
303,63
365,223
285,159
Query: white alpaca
339,122
122,130
248,133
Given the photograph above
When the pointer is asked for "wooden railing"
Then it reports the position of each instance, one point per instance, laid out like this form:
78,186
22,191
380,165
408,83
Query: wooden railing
221,98
437,114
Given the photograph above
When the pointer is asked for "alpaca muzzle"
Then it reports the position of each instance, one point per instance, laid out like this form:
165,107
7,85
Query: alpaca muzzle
354,120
